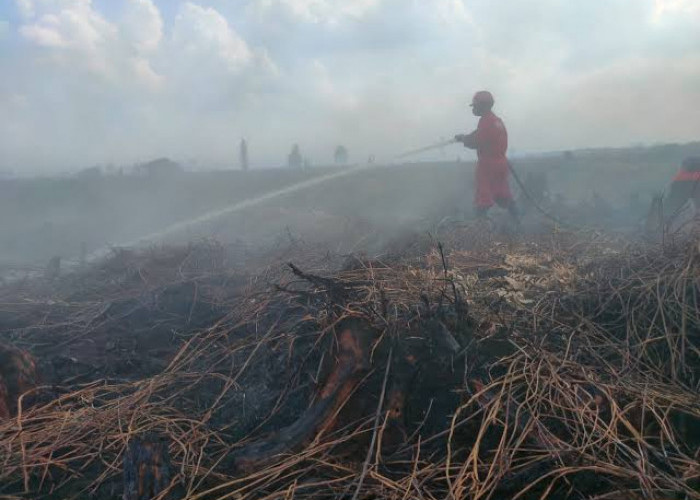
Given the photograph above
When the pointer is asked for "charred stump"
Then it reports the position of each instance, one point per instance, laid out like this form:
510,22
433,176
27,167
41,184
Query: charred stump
352,361
18,374
146,469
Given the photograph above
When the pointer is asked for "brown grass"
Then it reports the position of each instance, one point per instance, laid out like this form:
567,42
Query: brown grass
576,377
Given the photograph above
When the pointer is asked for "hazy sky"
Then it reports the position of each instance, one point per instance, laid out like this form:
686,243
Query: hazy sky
97,81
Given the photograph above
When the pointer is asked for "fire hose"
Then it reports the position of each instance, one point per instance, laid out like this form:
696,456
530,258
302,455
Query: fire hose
518,181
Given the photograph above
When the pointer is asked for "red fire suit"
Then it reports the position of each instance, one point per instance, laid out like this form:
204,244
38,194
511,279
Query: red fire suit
490,139
685,187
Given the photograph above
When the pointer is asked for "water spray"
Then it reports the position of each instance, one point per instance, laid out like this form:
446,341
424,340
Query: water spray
228,210
438,145
179,227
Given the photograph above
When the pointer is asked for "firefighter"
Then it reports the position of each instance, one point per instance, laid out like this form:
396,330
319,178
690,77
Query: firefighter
295,160
685,187
490,139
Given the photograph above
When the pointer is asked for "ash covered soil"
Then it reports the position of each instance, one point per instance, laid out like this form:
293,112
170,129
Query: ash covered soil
464,362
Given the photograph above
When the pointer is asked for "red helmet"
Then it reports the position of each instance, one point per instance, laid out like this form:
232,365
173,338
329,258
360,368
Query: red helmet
483,97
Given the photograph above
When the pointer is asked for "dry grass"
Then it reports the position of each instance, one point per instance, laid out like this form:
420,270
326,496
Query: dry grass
576,377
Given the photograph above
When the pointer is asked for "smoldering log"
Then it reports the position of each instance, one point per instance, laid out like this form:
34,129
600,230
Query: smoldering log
354,339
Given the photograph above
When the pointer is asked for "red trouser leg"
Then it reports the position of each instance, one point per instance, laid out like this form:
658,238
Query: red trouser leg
483,197
500,187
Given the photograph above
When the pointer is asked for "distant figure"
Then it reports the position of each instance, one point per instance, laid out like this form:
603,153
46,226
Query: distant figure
490,139
243,155
295,159
341,155
684,188
370,160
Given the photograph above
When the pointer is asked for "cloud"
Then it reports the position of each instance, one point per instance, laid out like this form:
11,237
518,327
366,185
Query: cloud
72,32
144,73
318,11
4,29
125,80
25,8
70,24
453,11
663,7
142,25
75,37
379,75
203,35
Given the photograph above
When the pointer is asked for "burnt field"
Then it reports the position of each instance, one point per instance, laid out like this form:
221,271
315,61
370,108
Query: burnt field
365,339
552,365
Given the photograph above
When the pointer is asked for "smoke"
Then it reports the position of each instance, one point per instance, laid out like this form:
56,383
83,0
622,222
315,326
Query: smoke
188,80
92,82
